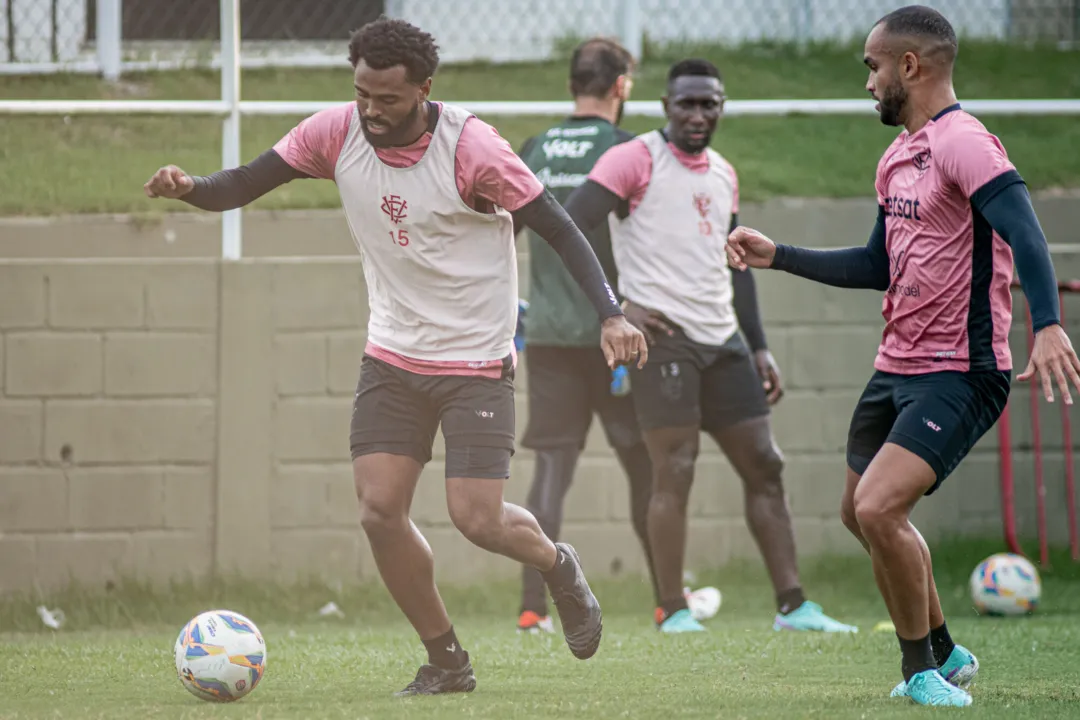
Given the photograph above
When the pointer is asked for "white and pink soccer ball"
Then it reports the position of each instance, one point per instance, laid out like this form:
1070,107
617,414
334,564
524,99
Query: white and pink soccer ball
1005,584
220,656
703,603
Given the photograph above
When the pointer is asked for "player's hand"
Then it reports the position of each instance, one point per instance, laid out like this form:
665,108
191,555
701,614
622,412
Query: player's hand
749,248
622,343
648,321
769,373
1053,357
169,182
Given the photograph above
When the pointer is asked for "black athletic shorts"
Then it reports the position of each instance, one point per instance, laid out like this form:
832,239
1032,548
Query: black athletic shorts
398,412
687,383
566,386
939,416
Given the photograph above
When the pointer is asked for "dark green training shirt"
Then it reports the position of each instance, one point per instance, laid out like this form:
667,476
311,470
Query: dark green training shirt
559,313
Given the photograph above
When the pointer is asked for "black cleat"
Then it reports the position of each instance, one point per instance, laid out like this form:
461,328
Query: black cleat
579,611
432,680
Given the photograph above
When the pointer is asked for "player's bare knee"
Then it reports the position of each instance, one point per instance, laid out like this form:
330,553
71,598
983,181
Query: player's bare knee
479,524
876,517
381,512
766,478
847,516
379,518
674,472
772,462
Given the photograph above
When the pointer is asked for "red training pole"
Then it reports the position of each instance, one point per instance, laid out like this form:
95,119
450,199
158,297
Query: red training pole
1008,502
1070,480
1036,440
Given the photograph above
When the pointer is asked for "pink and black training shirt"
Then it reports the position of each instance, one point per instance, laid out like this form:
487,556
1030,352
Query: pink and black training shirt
948,305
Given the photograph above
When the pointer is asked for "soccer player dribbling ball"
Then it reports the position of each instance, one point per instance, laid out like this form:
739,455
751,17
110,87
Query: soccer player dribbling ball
953,216
428,191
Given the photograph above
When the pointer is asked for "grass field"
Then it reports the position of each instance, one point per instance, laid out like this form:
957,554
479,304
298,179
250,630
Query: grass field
114,660
98,164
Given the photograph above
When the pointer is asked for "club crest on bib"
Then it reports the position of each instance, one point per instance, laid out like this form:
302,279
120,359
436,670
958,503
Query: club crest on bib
703,203
395,208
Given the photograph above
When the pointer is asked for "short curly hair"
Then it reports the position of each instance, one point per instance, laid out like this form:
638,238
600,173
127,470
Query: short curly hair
388,42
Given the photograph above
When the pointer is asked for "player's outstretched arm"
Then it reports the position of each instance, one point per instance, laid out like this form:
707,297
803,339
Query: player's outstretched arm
1006,205
858,267
621,342
226,189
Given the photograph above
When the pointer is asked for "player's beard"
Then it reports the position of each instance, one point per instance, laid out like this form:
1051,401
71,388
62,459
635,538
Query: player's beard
395,137
892,104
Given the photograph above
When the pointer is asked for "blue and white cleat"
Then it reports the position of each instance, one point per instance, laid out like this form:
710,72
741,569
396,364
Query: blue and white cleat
681,622
961,667
809,617
959,670
930,688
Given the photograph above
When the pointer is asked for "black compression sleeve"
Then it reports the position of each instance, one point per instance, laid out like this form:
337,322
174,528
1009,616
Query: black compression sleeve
1006,205
746,308
590,204
236,187
551,222
526,147
744,298
859,267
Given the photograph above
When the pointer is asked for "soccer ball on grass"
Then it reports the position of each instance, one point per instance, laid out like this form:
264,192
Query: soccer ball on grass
1005,584
220,656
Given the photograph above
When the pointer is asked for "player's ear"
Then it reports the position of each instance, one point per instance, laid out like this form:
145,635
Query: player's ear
664,100
425,89
909,65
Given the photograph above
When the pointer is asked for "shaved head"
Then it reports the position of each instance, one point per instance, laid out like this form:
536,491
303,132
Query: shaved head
920,30
910,54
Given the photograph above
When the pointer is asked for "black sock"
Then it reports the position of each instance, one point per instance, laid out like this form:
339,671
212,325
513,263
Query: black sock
917,656
563,573
942,644
790,600
446,652
673,606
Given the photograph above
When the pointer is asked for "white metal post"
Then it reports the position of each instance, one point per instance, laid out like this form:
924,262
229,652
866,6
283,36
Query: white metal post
230,127
630,30
108,32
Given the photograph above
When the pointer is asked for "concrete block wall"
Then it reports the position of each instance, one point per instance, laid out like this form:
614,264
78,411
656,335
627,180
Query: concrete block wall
107,420
174,417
